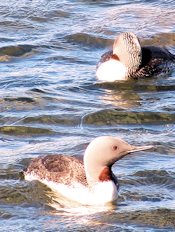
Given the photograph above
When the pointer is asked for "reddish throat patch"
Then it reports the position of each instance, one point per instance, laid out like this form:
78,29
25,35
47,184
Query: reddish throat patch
105,174
115,57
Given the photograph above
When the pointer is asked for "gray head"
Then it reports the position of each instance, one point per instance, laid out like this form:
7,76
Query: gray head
103,152
127,48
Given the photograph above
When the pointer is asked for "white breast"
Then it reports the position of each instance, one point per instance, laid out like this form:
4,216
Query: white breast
111,70
101,193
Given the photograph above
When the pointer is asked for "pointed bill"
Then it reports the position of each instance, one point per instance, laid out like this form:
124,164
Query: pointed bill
139,148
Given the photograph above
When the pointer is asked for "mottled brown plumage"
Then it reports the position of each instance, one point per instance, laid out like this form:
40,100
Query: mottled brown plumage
58,168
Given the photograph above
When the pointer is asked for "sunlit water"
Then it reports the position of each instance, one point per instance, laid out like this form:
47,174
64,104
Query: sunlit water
51,102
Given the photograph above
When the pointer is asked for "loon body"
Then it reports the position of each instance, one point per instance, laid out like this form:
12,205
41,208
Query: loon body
129,59
89,182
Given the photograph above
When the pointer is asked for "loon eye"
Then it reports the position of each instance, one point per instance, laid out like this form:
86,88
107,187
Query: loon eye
115,147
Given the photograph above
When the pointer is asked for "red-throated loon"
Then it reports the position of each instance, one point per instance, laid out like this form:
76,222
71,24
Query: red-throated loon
129,59
91,182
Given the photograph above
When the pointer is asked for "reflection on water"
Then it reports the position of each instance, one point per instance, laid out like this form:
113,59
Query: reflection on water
50,102
121,99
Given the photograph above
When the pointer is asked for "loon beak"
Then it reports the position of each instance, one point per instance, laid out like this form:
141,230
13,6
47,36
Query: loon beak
139,148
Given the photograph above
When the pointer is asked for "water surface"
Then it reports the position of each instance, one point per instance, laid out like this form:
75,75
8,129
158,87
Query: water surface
51,102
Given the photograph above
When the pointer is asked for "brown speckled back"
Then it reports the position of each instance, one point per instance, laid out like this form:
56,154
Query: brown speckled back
58,168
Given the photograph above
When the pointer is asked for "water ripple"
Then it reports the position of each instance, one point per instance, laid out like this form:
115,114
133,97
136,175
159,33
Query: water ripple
51,102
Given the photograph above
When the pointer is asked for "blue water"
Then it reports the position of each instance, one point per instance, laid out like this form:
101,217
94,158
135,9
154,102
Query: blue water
51,102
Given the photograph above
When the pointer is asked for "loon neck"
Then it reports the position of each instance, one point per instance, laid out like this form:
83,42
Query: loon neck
105,174
97,174
102,185
128,50
131,62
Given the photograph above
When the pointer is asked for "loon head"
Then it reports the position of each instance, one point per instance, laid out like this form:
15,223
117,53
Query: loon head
128,50
102,153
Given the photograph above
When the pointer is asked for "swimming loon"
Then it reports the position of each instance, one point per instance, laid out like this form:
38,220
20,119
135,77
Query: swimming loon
129,59
91,182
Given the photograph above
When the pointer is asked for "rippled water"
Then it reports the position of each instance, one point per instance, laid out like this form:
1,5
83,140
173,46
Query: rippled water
50,102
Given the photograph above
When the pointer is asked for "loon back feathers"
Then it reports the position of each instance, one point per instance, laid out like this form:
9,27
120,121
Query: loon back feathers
58,168
155,61
153,52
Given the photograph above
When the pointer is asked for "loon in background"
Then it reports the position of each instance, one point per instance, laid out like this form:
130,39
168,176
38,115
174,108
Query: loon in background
130,60
88,182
